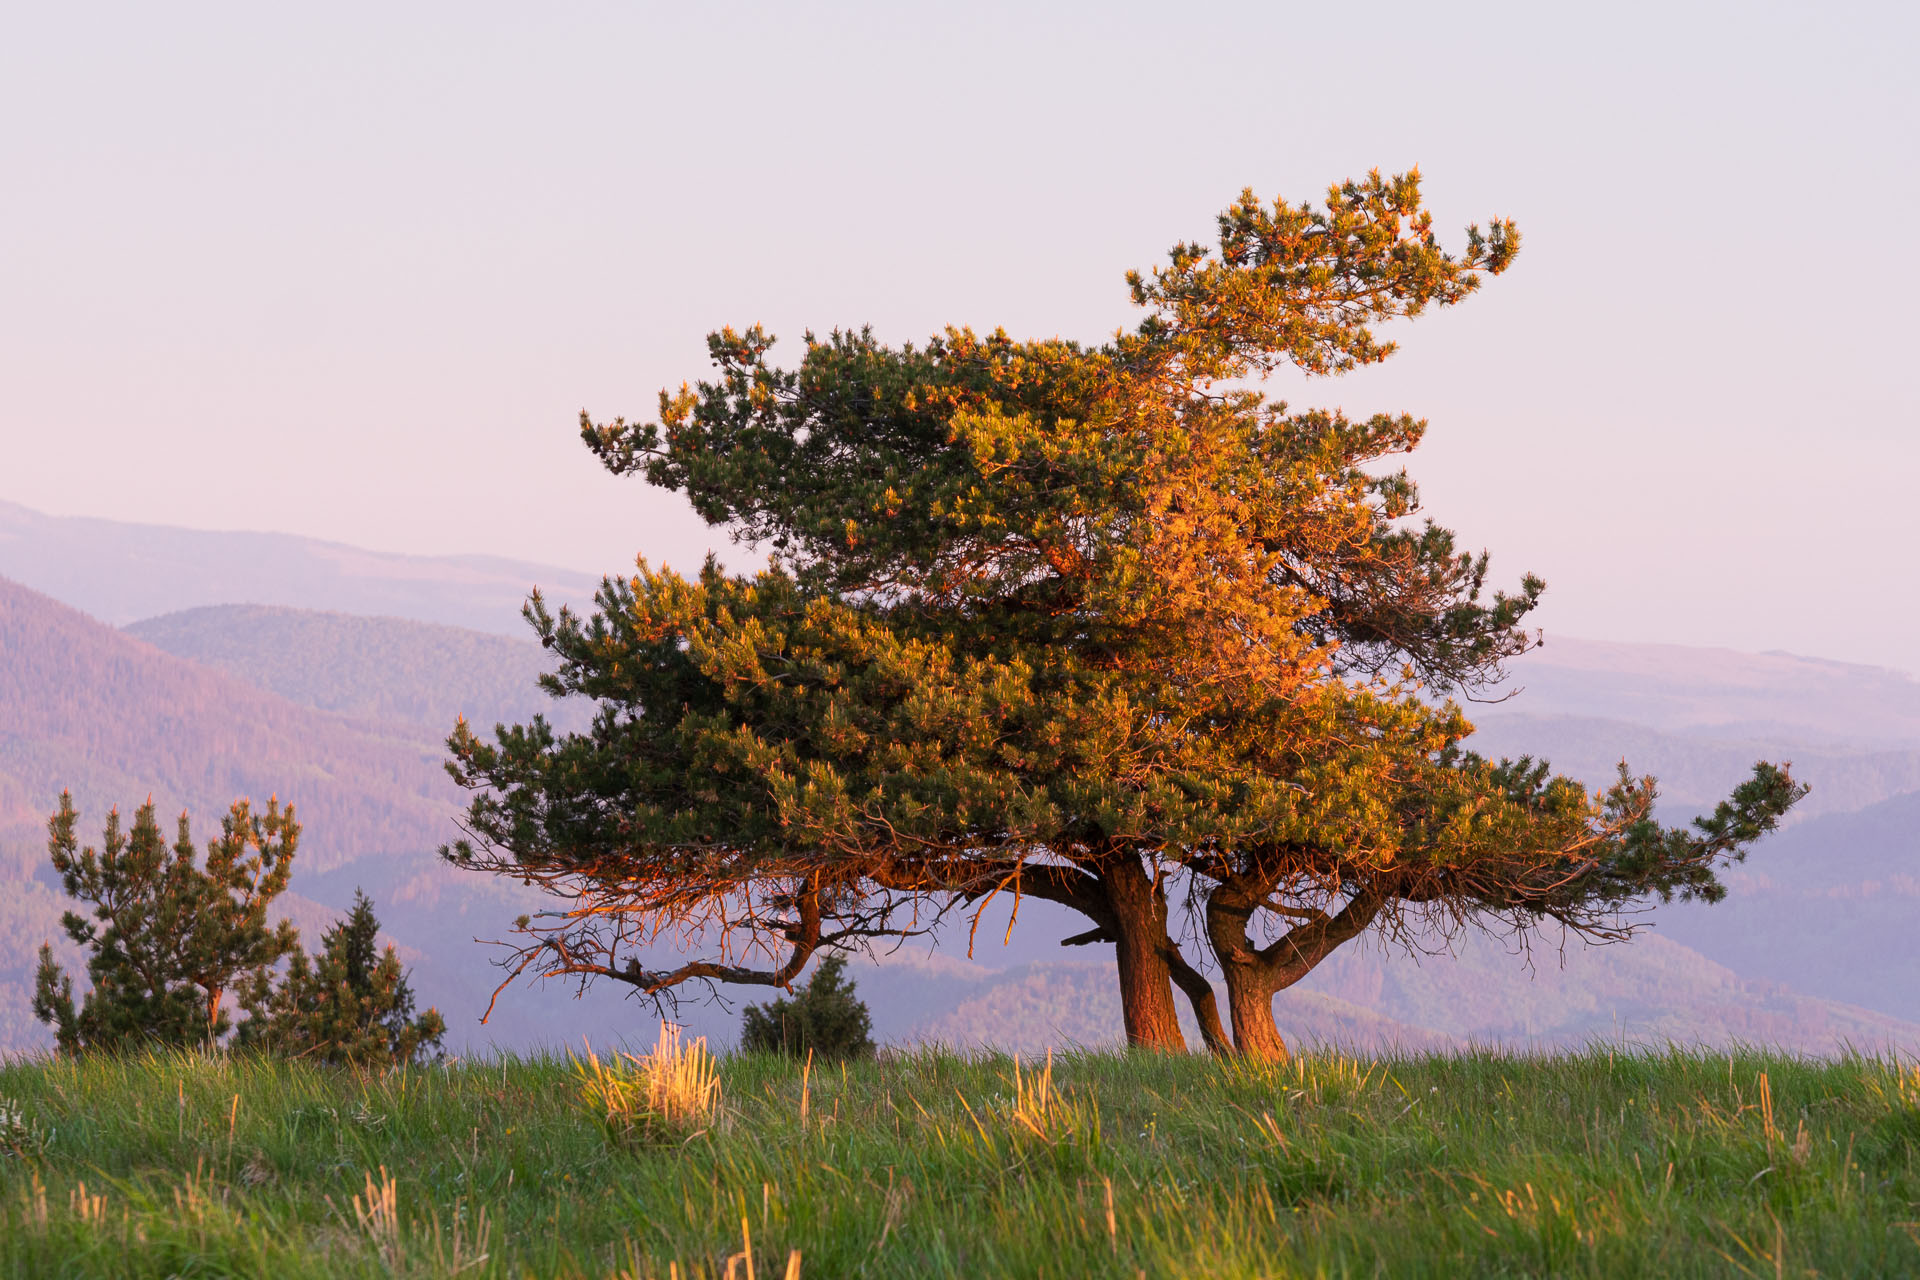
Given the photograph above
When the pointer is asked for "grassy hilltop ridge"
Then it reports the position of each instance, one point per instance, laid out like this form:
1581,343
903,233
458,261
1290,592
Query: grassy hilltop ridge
1606,1162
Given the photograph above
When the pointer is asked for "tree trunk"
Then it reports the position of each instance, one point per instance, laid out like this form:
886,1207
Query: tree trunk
1254,974
1249,992
1146,981
1250,1005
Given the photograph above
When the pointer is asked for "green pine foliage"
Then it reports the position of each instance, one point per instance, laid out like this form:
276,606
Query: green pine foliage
169,937
822,1017
350,1006
1102,625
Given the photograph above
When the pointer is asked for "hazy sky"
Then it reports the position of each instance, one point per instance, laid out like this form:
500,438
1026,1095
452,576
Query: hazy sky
352,270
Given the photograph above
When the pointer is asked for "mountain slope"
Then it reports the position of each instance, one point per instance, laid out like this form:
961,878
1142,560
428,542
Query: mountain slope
1652,990
1830,910
111,718
114,719
119,572
1698,770
387,669
88,709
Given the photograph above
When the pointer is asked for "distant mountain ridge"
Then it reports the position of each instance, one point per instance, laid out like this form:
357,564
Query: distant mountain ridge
121,572
1722,694
1696,771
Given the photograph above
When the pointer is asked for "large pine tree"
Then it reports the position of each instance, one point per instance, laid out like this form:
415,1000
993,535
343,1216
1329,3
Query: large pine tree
1096,624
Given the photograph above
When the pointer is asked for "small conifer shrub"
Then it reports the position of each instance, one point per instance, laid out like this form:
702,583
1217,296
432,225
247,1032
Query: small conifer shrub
823,1016
352,1006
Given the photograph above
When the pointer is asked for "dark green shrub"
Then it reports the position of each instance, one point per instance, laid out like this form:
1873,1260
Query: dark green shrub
823,1016
351,1005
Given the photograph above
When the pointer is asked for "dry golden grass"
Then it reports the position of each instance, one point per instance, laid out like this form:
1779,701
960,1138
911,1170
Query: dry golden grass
673,1091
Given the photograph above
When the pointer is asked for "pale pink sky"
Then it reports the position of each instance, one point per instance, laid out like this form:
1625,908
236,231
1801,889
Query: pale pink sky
351,270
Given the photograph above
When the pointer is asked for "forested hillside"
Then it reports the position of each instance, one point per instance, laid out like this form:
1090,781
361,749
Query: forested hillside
111,718
114,720
1824,907
390,669
1830,910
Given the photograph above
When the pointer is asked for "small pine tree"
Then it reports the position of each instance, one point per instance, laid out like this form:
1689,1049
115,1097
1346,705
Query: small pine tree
353,1006
823,1016
168,939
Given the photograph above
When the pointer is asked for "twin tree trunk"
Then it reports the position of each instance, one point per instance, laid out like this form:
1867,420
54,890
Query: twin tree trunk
1255,974
1151,964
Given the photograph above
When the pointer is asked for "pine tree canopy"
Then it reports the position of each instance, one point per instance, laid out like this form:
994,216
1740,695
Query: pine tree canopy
1098,624
169,937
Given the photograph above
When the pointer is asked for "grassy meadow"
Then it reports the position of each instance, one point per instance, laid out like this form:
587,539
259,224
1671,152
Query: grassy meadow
1607,1162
